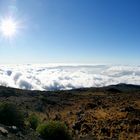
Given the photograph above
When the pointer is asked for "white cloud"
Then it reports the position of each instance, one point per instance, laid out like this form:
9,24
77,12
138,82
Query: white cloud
58,77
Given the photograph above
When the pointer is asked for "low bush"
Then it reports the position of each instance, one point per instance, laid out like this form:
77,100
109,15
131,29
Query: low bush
53,130
10,115
33,121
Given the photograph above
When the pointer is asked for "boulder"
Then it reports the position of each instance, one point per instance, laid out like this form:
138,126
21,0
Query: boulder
13,129
3,131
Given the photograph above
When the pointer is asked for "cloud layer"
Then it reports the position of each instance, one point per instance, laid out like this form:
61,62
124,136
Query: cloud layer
61,77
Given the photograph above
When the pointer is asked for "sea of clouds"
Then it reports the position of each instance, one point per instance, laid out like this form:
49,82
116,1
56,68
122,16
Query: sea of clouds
62,77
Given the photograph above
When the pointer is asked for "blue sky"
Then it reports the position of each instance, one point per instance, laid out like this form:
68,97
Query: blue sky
72,31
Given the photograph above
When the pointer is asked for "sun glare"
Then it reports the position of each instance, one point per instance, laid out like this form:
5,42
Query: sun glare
8,27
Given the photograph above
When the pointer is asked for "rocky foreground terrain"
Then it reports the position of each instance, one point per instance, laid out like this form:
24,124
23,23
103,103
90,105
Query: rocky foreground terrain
108,113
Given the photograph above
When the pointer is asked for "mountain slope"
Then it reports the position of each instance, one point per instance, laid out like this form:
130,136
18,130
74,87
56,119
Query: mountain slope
101,113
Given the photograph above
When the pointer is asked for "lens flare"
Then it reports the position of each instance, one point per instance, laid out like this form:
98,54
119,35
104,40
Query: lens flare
8,27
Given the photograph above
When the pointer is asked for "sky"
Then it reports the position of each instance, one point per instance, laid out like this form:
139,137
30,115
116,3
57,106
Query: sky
71,31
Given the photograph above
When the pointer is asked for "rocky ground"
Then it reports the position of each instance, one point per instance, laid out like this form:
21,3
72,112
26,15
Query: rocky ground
108,113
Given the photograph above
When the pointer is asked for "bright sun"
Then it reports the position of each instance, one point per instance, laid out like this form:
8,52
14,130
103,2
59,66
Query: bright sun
8,27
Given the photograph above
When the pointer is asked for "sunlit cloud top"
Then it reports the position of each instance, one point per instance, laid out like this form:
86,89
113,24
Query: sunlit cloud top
62,77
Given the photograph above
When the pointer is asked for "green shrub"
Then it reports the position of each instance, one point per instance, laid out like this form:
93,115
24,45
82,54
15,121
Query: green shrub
33,121
10,115
53,130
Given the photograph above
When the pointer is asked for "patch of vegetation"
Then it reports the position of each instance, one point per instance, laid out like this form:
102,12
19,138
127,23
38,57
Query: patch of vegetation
45,100
10,115
7,93
33,121
53,130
